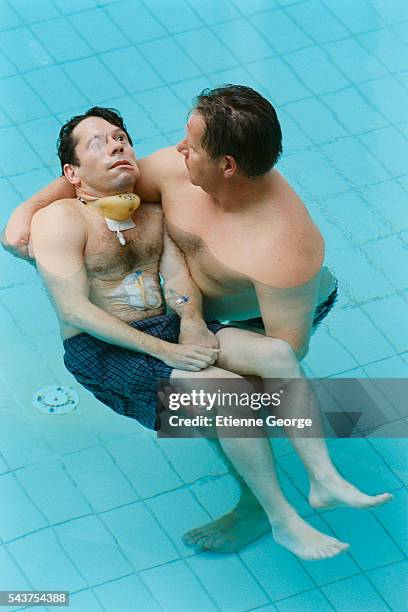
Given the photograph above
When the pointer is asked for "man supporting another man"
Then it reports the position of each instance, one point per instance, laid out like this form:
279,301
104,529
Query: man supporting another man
252,249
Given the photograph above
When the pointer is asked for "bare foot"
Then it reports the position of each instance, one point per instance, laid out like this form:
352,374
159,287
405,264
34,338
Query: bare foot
231,532
296,535
335,491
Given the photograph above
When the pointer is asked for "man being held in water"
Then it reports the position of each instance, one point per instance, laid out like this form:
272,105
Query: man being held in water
251,249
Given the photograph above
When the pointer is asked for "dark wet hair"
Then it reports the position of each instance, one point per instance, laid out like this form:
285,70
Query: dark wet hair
241,123
66,142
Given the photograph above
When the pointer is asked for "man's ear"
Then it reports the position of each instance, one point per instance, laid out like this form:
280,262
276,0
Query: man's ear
70,171
229,166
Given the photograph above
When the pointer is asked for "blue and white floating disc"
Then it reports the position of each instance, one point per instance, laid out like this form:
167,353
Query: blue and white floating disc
55,400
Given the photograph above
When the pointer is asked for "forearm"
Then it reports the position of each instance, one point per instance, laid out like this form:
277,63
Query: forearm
59,189
183,297
88,318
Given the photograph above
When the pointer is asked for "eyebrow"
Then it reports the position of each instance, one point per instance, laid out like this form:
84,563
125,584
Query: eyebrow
99,136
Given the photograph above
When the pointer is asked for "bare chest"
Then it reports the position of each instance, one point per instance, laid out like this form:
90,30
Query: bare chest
106,257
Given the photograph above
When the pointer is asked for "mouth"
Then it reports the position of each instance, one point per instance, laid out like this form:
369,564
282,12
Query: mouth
122,163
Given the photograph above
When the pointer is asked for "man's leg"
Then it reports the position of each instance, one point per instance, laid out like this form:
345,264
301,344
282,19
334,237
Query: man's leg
253,460
273,359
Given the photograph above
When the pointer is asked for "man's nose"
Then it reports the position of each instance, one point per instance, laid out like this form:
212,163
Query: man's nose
182,147
115,147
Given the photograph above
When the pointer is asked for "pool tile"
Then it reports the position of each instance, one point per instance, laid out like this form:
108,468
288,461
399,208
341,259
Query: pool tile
166,109
212,11
286,86
35,317
42,135
168,14
389,95
176,588
135,73
43,559
19,515
9,331
392,584
338,359
205,50
171,62
221,575
316,120
9,18
134,451
218,495
374,347
53,80
282,32
16,94
353,59
395,453
192,458
322,75
100,33
357,17
90,75
353,217
11,577
387,47
392,12
135,21
6,67
15,43
384,253
189,89
93,550
393,515
141,537
362,531
354,162
99,479
315,174
255,6
49,486
389,199
75,5
394,367
295,139
42,10
395,325
353,111
276,569
355,594
314,18
311,601
232,34
366,282
31,447
54,34
84,600
125,594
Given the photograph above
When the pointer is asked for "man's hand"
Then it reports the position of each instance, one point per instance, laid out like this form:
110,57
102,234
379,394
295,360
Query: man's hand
16,236
195,331
189,357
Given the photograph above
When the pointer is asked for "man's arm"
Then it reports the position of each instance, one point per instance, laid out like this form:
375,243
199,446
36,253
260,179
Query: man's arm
16,236
59,237
287,313
183,296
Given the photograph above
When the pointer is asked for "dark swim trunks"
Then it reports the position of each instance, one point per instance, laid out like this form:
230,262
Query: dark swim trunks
321,312
124,380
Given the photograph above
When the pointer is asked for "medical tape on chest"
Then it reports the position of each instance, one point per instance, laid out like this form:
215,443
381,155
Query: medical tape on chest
139,291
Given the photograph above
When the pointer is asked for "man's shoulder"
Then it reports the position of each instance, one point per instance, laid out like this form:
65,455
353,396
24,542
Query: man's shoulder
61,216
167,161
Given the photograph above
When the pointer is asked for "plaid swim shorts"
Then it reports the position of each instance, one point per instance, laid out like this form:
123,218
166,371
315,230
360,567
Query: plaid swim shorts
125,380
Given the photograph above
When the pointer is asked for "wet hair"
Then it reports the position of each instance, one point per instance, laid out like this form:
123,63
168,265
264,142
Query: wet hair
67,143
241,123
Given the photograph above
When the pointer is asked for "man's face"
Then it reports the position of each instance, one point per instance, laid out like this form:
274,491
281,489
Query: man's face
107,162
201,170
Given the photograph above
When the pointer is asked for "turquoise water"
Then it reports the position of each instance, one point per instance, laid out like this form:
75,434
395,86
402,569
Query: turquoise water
93,504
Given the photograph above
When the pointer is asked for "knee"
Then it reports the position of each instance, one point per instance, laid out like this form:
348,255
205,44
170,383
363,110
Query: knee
281,358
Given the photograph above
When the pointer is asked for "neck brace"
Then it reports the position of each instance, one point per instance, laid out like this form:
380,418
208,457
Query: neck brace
117,211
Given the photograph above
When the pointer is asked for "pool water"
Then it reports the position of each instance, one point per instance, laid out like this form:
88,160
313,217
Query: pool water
91,502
